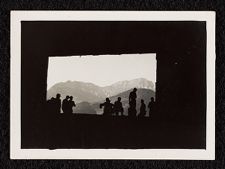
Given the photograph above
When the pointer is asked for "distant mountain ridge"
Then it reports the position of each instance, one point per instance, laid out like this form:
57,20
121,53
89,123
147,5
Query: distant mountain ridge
91,93
122,86
79,90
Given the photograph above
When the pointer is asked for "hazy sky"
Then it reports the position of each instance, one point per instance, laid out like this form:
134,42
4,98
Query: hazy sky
101,70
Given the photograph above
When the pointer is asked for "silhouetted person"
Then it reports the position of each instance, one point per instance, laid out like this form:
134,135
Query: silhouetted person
132,102
151,106
108,107
57,103
118,107
142,109
65,105
71,104
51,106
50,102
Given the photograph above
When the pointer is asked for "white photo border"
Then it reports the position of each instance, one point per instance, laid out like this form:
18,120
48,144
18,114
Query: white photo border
139,154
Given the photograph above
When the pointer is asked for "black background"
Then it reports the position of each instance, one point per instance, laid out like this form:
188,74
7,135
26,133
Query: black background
180,48
6,6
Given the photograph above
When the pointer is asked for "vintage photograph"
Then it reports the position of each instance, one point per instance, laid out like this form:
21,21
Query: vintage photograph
112,85
91,80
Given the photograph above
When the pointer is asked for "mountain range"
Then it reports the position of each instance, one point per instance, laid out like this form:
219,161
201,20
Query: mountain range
125,85
89,92
88,96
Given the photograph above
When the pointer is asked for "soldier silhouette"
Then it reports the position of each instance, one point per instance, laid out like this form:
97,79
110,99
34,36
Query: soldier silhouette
142,109
118,107
57,103
132,102
108,107
65,105
71,104
151,106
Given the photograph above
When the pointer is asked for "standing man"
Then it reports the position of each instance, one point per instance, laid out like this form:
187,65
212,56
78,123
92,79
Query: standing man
71,104
118,107
57,103
65,105
132,102
151,106
142,109
108,107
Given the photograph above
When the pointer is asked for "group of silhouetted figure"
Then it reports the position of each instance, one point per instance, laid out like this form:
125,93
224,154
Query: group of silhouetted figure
55,105
117,107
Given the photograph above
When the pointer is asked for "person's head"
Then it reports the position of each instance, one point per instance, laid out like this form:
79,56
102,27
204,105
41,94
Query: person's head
107,100
142,101
135,89
152,99
58,96
71,97
119,98
67,97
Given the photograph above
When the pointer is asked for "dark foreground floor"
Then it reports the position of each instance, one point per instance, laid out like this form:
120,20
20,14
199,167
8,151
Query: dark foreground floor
93,131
